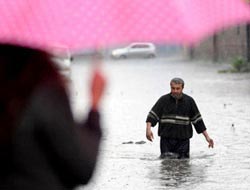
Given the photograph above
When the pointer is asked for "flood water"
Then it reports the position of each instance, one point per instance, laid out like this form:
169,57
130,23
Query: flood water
128,161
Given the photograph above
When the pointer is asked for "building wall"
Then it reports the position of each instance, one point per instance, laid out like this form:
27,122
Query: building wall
224,46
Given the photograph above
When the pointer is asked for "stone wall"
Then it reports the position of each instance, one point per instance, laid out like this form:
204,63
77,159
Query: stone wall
224,46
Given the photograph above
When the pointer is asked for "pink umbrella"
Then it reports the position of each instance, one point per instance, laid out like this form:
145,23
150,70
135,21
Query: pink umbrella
80,24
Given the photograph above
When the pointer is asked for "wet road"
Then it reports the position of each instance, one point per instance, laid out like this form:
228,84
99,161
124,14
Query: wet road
128,161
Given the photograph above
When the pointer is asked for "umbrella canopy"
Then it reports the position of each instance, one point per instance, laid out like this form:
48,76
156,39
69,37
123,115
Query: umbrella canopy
80,24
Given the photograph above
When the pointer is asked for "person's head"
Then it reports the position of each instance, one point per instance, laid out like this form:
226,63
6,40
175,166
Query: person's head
24,63
177,85
22,70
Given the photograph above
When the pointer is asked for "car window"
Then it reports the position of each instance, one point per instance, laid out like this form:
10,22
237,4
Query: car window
144,46
134,46
140,46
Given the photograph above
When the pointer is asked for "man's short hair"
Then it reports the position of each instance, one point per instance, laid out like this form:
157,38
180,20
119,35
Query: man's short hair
177,81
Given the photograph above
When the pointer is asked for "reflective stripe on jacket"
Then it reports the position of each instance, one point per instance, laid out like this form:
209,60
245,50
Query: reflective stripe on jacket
176,117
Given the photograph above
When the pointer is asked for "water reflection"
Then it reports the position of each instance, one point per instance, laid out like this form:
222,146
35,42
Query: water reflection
177,173
131,166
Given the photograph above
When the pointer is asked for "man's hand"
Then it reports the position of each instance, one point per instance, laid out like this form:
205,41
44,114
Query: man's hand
208,139
97,88
210,142
149,133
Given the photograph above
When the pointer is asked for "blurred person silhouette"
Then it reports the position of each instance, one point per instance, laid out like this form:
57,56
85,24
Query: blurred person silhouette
176,112
41,146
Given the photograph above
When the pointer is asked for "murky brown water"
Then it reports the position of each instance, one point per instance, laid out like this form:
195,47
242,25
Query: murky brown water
133,87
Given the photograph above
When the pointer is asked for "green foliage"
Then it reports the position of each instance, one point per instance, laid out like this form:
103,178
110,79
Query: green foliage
238,64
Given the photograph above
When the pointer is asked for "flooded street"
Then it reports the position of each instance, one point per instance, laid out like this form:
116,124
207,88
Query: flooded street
128,161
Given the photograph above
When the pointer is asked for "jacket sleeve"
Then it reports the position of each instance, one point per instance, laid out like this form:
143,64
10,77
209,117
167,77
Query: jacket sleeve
196,118
155,113
74,147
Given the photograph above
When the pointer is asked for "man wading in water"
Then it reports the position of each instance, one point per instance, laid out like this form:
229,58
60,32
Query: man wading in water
176,112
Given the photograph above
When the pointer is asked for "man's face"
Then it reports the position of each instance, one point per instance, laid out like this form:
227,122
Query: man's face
176,89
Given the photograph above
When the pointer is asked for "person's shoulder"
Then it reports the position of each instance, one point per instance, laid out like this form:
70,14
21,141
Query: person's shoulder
188,97
50,87
48,93
165,97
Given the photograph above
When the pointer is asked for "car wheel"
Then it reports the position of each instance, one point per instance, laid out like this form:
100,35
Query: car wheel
151,56
123,57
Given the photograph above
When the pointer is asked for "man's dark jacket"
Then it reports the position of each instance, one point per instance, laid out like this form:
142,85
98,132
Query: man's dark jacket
176,116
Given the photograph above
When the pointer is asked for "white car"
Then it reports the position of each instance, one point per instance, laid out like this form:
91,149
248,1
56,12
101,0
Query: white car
139,49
